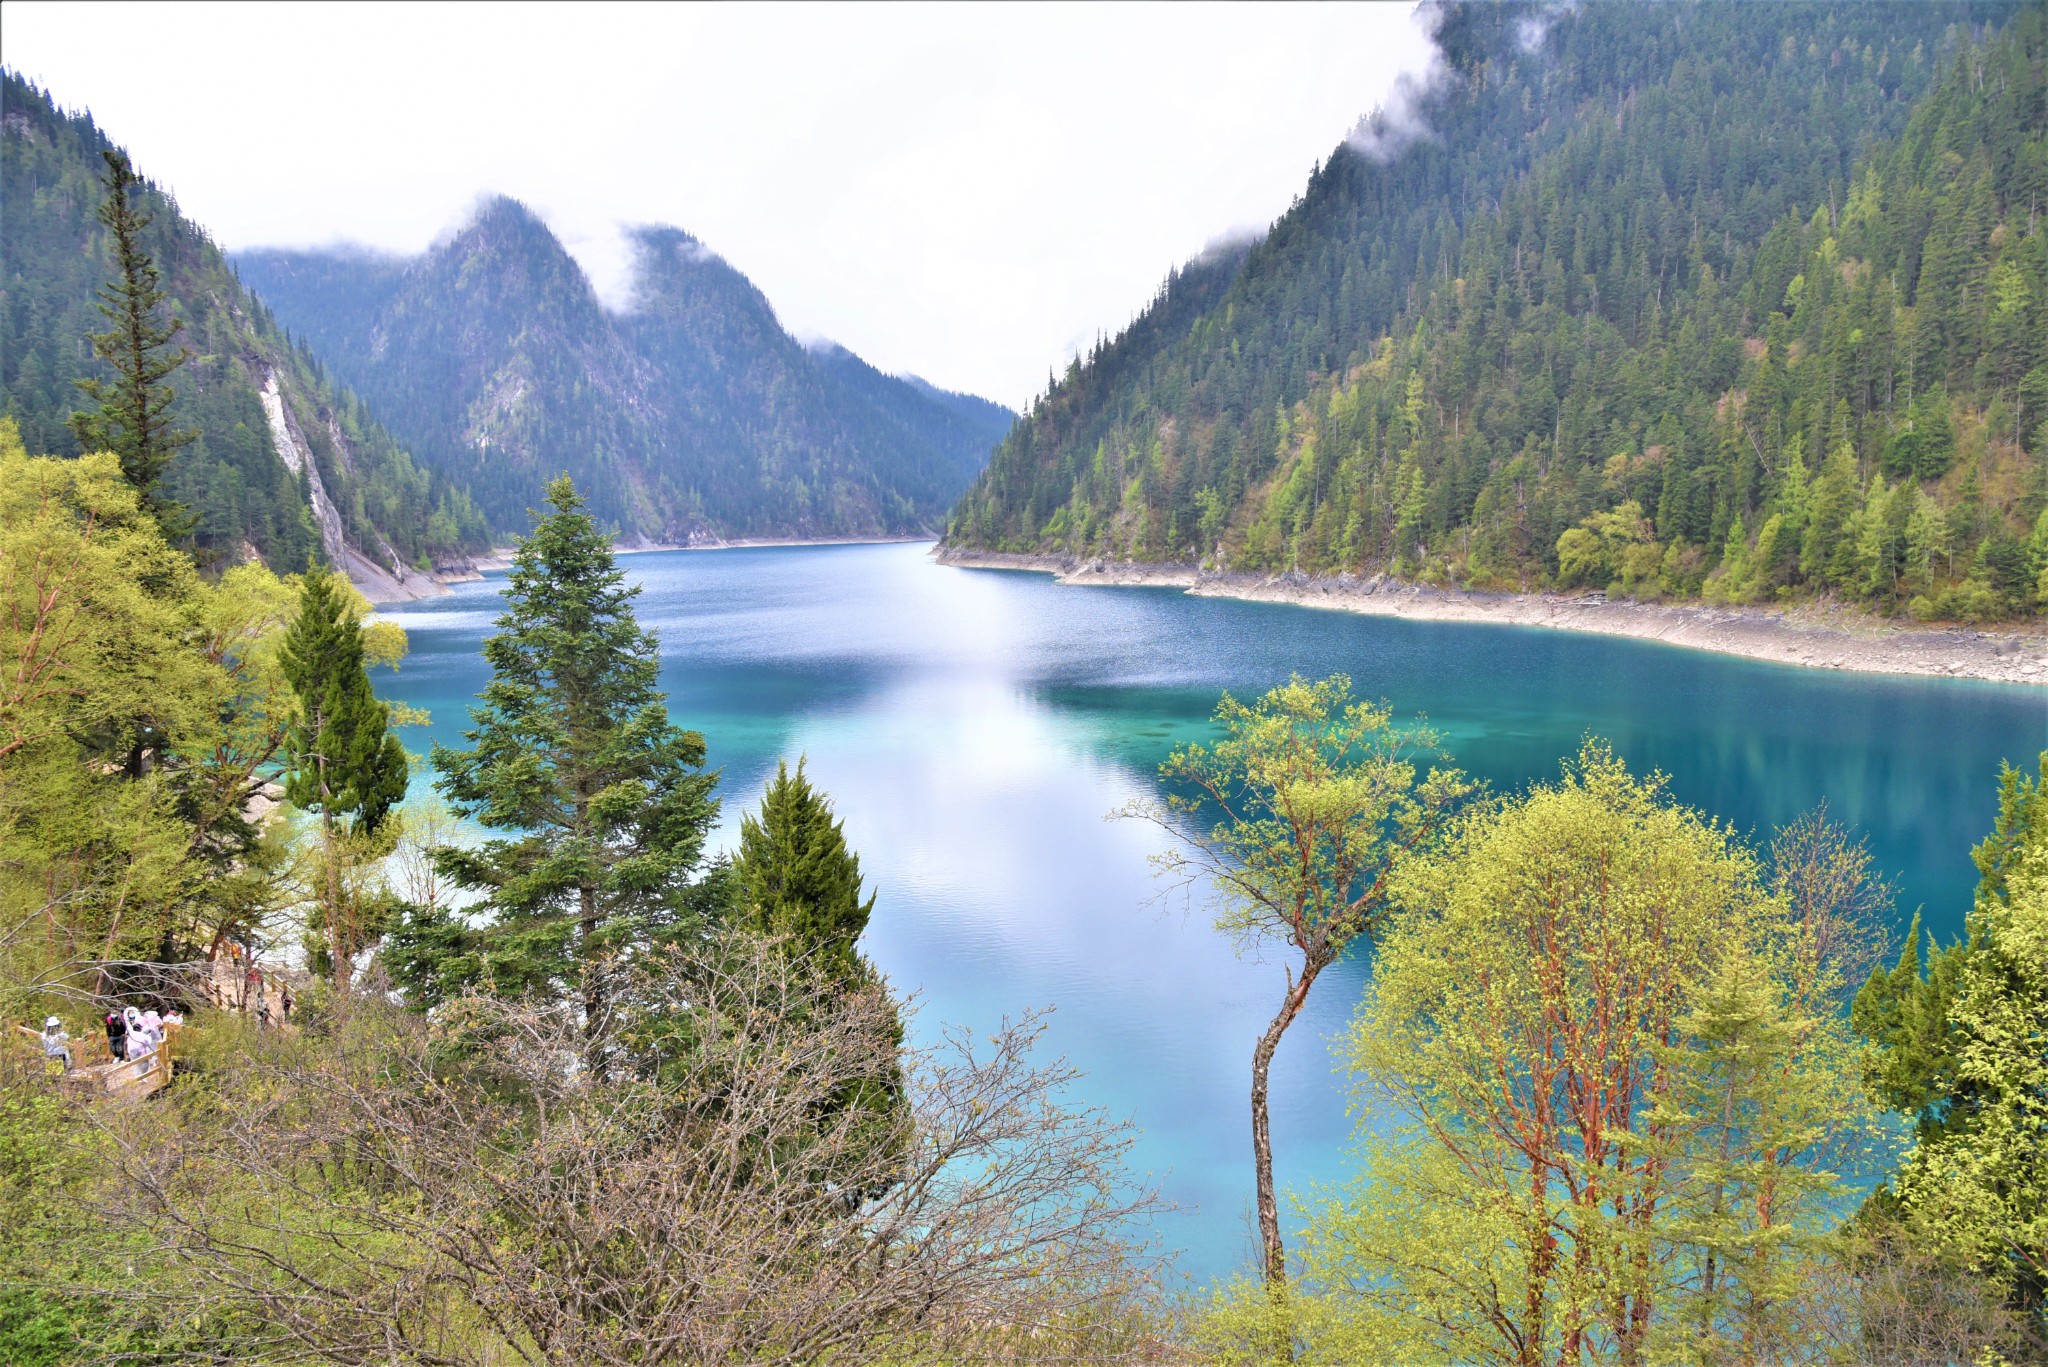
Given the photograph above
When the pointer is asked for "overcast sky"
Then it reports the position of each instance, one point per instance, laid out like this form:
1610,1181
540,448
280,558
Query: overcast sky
965,193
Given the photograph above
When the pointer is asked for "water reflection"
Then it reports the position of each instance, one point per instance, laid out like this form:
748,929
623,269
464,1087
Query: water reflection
975,728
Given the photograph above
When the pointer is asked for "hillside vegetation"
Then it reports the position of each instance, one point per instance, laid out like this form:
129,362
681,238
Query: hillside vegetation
1743,302
320,475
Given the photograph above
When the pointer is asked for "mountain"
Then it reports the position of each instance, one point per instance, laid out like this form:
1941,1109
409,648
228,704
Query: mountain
287,463
1696,299
689,416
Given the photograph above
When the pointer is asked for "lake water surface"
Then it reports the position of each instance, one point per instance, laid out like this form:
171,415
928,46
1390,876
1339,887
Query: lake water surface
974,728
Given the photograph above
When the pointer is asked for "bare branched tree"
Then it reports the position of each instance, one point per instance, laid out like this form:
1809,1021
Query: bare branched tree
466,1191
1882,1299
1840,902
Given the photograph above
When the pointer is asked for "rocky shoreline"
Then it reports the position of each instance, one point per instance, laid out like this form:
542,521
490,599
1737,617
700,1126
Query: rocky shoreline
1818,636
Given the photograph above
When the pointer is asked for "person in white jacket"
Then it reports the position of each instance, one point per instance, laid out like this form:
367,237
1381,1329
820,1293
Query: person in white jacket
141,1044
56,1042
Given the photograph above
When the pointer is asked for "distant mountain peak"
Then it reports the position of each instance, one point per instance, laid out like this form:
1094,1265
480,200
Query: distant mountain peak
664,237
689,415
501,210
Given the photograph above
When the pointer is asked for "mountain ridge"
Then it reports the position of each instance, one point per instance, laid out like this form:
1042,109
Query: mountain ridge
691,416
288,465
1558,338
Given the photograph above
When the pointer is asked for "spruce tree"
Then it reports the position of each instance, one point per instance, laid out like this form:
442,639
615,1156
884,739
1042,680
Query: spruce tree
344,763
796,879
604,802
133,418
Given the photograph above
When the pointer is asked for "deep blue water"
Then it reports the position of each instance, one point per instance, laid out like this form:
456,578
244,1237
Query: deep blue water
975,727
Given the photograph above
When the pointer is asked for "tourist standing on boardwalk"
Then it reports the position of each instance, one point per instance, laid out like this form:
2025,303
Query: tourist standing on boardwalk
139,1042
117,1036
56,1043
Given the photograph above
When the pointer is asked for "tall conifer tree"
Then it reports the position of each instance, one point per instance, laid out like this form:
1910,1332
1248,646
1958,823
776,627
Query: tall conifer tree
604,801
345,764
797,879
133,417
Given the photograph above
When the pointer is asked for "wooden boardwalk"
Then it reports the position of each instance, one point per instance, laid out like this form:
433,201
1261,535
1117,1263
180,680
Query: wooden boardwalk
125,1078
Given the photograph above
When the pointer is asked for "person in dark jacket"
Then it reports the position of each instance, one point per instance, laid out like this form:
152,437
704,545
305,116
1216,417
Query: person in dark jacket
117,1035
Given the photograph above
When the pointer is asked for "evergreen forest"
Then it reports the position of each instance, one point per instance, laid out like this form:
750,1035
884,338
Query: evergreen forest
244,492
1735,302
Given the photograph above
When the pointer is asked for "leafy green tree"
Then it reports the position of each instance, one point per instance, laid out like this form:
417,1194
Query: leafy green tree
1959,1048
603,800
344,762
1295,821
1612,1034
1761,1107
795,879
142,709
133,418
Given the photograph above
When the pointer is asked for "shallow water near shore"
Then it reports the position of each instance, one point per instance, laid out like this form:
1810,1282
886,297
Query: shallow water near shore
975,727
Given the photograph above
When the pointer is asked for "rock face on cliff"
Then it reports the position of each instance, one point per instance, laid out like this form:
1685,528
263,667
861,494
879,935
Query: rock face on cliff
690,416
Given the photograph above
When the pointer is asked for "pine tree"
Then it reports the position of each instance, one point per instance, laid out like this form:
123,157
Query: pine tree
133,418
795,879
572,753
344,763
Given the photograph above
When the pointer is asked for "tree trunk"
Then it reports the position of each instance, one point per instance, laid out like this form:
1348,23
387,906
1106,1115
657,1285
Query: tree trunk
1262,1138
339,946
593,986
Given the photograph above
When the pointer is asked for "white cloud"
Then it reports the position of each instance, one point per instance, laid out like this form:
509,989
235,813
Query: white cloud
1399,121
1231,240
1532,28
950,191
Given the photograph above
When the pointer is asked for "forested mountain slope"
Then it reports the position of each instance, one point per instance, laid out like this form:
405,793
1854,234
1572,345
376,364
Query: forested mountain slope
690,416
1747,301
287,463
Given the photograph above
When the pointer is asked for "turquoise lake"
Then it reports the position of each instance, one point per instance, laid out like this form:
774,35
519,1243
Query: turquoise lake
975,727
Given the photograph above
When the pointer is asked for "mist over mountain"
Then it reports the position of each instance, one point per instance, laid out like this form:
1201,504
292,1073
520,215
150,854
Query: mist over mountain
691,416
1737,301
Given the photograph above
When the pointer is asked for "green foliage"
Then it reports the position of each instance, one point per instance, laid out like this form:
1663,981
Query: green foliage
142,711
794,878
1642,287
344,763
55,1166
572,753
692,416
1316,802
795,881
133,416
56,252
1959,1047
1628,1097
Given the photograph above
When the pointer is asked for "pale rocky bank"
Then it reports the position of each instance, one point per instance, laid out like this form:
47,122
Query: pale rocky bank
1820,636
